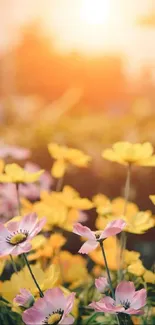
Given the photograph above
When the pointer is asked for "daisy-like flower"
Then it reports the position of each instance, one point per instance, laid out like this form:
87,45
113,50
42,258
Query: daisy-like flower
95,237
126,153
101,284
15,236
24,299
13,173
52,309
127,300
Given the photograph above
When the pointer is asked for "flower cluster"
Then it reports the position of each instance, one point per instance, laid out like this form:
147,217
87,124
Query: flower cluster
43,279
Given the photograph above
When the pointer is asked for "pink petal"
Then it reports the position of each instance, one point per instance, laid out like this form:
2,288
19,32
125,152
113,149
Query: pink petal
39,226
28,222
101,284
19,249
124,291
139,299
107,305
56,297
113,228
69,303
132,311
33,316
88,246
5,248
13,226
3,232
83,231
67,320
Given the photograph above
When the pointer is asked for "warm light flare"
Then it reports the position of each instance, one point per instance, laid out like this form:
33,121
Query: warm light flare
95,12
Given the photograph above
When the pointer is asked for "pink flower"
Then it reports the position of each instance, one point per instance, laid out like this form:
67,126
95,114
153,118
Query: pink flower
101,284
94,237
53,308
14,152
127,300
15,236
24,299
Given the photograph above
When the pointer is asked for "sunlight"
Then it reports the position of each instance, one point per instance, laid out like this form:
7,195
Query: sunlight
95,12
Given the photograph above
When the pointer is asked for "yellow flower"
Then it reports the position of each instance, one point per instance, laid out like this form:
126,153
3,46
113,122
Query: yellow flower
149,276
2,164
112,251
61,209
46,279
136,268
131,257
102,204
65,156
73,268
127,153
137,221
13,173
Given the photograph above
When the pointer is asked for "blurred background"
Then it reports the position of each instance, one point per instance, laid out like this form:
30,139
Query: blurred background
81,73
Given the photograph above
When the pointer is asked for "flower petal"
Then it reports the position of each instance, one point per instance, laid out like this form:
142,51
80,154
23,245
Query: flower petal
56,297
33,316
113,228
69,303
124,292
83,231
67,320
28,222
139,299
88,246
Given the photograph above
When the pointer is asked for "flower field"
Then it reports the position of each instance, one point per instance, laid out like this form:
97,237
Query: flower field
57,266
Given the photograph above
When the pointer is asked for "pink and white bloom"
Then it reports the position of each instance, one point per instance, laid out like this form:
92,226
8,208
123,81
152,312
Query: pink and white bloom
101,284
53,308
94,237
127,300
24,299
15,236
14,152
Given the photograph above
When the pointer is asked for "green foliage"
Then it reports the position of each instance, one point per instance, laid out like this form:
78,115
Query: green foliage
8,317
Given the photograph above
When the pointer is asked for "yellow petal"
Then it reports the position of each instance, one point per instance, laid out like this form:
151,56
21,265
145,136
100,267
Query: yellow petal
109,154
59,168
152,198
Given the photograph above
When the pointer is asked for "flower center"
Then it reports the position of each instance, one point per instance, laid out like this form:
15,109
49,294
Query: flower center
17,239
98,234
126,304
54,319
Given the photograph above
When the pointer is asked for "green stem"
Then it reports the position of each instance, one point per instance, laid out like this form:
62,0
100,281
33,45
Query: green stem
107,270
123,239
33,277
18,198
91,318
13,264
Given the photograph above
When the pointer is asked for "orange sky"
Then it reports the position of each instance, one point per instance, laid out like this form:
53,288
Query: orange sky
70,26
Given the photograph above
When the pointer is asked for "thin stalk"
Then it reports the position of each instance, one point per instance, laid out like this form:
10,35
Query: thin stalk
59,184
108,274
107,270
123,239
33,277
13,264
91,318
18,199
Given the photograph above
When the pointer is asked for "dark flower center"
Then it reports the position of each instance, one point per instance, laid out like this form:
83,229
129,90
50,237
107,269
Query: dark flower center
126,304
17,237
54,318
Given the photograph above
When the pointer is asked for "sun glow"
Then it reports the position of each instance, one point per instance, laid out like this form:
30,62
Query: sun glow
95,12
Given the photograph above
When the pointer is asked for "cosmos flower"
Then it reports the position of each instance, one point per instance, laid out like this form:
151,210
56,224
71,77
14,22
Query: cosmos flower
13,173
64,157
15,236
101,284
14,152
24,299
94,237
126,153
127,300
52,309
